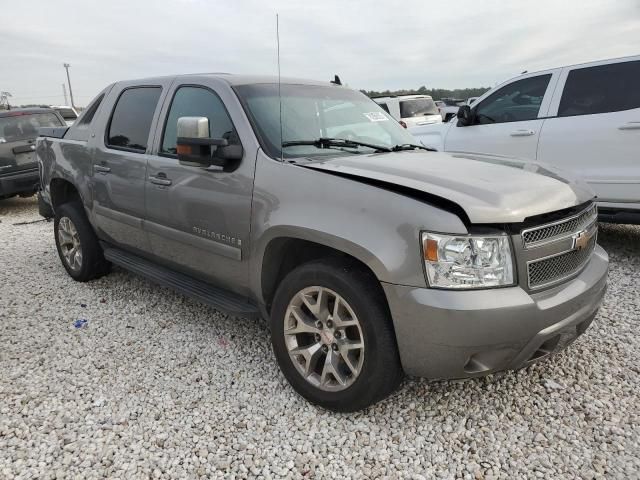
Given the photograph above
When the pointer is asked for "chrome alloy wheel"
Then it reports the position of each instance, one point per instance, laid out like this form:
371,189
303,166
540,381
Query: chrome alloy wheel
69,241
324,338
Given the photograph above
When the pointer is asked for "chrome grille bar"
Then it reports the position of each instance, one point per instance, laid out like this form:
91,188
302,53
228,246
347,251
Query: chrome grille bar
557,268
551,232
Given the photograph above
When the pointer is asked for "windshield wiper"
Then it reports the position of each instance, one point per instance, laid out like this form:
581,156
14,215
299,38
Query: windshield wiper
324,142
411,146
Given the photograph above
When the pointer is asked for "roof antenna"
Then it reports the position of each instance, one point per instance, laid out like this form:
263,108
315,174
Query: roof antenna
279,90
336,80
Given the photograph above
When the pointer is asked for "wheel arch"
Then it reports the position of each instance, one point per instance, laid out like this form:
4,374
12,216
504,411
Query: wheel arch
285,251
62,191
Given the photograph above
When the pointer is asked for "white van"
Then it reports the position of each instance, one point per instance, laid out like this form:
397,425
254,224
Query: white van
584,118
411,110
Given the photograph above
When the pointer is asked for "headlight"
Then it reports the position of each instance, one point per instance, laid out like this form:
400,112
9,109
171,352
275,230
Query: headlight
467,261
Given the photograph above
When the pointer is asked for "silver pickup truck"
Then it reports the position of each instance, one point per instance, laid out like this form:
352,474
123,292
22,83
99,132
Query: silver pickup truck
306,204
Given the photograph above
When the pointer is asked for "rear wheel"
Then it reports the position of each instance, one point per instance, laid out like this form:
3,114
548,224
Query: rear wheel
77,244
333,337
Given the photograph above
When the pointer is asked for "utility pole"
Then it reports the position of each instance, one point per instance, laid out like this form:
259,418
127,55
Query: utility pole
66,66
64,92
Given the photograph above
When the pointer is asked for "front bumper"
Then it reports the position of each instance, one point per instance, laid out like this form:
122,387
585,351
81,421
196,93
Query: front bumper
19,182
457,334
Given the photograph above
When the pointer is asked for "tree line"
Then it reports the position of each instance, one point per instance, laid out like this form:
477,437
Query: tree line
436,93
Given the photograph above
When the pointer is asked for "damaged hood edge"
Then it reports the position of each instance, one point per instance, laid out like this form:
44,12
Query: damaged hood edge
488,188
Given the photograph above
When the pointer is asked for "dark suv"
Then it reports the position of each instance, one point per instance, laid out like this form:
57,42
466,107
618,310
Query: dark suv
18,132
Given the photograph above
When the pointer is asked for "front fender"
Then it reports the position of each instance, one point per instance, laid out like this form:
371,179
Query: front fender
381,228
327,239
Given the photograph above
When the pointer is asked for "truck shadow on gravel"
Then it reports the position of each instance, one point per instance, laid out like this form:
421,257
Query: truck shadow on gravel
620,240
17,206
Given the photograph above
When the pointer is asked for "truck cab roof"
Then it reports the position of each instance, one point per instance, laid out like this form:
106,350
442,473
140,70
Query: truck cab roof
237,79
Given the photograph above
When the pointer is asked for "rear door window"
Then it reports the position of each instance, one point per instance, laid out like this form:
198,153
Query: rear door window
131,119
417,107
516,102
601,89
24,126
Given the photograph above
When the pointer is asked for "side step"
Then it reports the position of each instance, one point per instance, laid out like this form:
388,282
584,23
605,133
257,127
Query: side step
227,302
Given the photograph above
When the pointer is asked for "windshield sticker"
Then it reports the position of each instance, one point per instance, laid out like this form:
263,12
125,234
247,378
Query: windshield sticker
376,117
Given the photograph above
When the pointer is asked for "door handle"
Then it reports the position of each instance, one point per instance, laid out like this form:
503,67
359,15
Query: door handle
101,169
160,179
630,126
522,133
25,149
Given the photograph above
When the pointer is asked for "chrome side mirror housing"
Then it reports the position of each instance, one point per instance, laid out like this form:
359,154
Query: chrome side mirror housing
193,127
195,148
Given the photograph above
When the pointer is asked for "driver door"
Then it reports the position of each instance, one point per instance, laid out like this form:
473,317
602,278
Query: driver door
508,121
198,218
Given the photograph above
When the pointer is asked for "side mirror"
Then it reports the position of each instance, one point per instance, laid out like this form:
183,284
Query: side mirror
465,116
196,149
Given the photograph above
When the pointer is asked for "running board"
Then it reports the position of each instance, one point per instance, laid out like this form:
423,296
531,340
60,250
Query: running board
223,300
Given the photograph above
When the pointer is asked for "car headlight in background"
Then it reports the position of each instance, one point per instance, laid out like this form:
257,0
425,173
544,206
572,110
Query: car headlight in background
467,261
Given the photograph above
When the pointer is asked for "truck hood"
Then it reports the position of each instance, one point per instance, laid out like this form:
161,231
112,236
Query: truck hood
489,188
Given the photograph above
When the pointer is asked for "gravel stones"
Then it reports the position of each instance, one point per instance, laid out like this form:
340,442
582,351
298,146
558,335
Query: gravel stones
156,385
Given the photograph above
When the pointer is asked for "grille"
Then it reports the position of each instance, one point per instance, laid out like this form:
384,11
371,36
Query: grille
562,228
553,269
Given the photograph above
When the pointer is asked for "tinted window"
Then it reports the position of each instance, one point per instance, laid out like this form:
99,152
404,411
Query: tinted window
606,88
24,126
198,102
515,102
417,107
89,113
385,107
131,118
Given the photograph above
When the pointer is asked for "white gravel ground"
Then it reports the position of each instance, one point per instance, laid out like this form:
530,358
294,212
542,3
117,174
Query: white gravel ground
157,385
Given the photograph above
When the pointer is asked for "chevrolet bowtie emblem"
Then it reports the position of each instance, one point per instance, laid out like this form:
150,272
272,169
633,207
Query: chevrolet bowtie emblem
581,239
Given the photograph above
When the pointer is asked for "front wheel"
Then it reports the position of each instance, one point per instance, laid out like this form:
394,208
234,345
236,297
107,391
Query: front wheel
333,337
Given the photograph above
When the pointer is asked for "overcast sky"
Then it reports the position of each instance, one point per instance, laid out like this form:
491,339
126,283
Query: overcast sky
370,44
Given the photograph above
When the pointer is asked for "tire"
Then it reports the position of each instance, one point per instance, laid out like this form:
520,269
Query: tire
379,372
90,264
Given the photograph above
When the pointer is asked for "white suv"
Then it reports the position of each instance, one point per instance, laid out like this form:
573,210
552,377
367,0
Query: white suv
584,118
411,110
